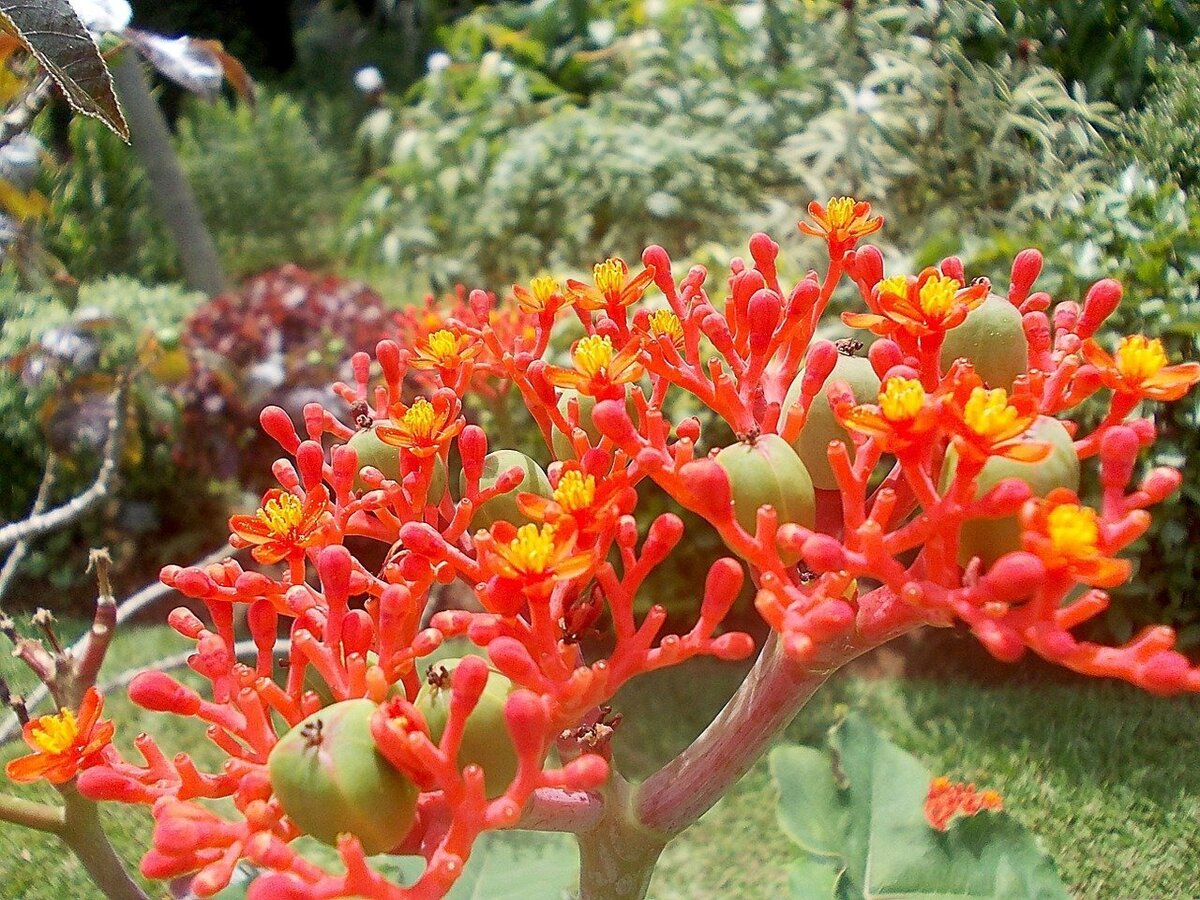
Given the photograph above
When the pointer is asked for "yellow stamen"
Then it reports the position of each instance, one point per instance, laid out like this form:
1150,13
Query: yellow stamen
543,288
282,514
988,413
575,491
532,550
54,734
593,355
1073,530
1139,358
840,211
610,277
665,322
936,297
901,399
897,286
443,346
419,420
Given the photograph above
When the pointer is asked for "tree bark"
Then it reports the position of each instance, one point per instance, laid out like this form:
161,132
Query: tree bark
173,196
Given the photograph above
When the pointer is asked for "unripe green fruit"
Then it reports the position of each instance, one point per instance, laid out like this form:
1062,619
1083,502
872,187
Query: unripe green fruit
989,539
504,507
822,425
993,339
767,471
562,442
330,779
315,683
485,741
386,458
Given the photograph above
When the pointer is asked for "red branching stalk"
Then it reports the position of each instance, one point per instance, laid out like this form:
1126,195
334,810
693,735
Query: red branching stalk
877,559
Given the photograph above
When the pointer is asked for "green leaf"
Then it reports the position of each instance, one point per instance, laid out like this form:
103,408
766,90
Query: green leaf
59,41
815,878
860,808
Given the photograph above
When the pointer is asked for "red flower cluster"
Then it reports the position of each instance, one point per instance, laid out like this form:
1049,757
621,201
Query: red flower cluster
551,552
947,799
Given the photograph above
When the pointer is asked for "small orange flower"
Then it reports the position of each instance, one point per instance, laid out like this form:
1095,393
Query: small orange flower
929,304
1068,538
664,323
1140,369
990,423
535,556
599,371
284,526
544,295
903,416
842,222
592,504
445,349
423,428
63,744
947,799
613,287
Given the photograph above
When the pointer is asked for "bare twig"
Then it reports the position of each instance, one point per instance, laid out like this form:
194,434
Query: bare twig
18,119
130,607
45,522
13,561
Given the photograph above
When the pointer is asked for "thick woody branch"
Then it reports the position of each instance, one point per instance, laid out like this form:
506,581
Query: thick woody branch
45,522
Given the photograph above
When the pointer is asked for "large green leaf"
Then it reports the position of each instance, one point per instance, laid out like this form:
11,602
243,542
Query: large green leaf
857,815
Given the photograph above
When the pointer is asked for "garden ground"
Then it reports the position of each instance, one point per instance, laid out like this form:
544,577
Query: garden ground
1106,776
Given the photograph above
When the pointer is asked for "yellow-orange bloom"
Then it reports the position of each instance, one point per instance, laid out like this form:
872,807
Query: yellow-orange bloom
990,423
544,295
613,288
422,429
1067,537
63,743
535,556
842,222
664,323
902,416
929,304
599,370
284,526
1140,369
445,349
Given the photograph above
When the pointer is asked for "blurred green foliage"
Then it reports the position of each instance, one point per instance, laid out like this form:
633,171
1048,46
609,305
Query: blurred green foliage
1164,132
61,358
269,182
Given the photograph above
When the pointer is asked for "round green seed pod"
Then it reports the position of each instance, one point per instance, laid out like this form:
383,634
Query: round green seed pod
993,338
504,507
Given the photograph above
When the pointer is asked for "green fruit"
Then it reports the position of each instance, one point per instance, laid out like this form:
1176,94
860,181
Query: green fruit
315,683
386,458
485,740
768,471
993,339
822,426
562,442
989,539
504,507
330,779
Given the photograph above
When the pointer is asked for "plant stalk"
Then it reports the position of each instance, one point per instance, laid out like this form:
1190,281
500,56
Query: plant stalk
173,196
617,857
85,836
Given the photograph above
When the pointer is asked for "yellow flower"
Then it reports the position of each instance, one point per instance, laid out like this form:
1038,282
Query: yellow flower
1141,369
1067,537
575,491
613,288
284,526
544,295
664,323
1073,530
599,371
930,303
445,349
901,399
842,222
422,428
990,423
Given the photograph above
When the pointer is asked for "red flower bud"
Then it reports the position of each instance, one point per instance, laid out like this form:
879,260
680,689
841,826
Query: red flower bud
159,692
1099,304
1025,270
278,424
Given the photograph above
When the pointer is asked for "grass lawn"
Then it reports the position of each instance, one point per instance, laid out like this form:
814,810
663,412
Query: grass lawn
1109,778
